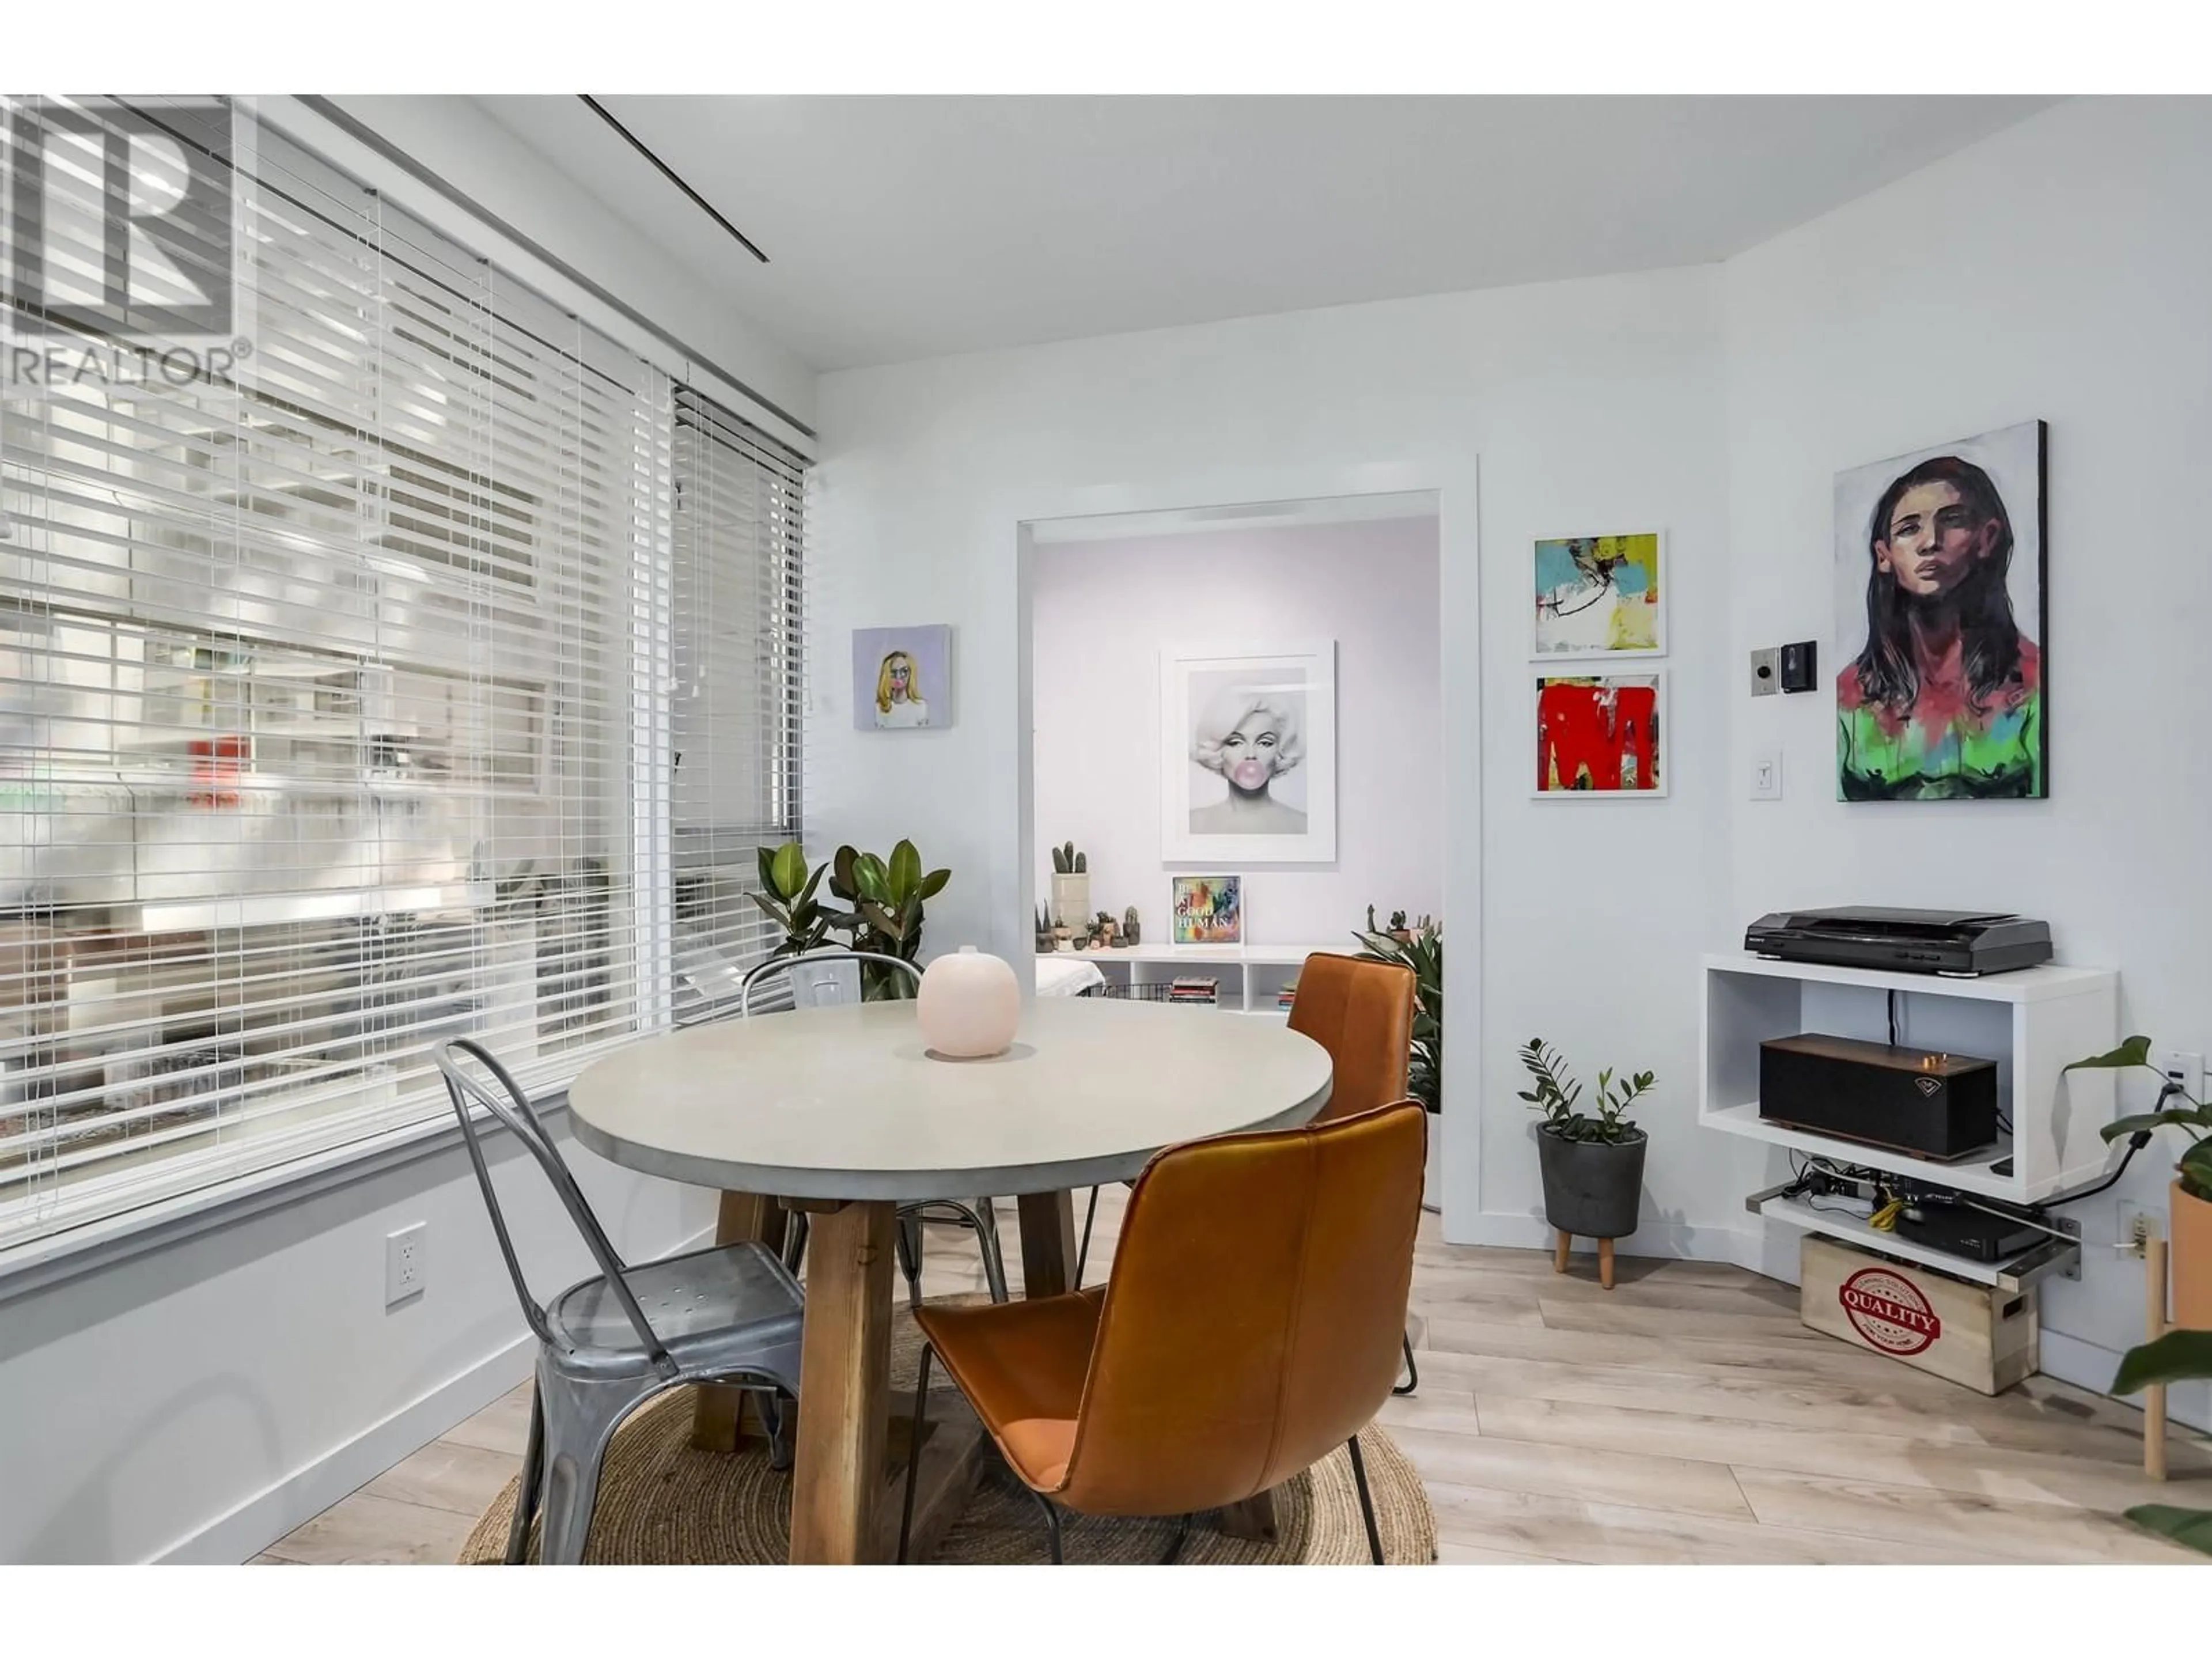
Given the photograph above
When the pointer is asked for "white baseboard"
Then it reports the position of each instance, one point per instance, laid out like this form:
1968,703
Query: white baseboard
2090,1366
305,1493
1679,1240
298,1498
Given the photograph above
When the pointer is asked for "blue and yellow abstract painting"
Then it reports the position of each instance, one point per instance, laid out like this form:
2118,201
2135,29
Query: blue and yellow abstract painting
1599,596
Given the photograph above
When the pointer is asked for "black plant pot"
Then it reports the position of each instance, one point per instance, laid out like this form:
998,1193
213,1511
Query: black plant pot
1591,1188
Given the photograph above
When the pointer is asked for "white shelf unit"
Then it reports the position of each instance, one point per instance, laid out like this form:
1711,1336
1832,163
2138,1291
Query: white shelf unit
1256,976
2052,1255
2031,1022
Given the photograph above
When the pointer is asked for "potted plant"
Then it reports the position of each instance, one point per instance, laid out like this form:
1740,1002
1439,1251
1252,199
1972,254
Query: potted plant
2184,1356
1071,883
886,896
1420,948
2189,1202
1592,1162
786,898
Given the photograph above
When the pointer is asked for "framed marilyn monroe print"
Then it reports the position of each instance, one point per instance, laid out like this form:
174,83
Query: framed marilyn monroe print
1248,753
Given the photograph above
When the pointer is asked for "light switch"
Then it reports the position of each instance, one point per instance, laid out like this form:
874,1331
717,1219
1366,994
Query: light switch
1766,774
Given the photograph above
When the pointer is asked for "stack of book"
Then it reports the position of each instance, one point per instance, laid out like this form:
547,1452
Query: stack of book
1194,990
1288,996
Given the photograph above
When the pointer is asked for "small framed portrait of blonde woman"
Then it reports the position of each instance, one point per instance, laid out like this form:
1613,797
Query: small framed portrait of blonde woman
1248,753
902,677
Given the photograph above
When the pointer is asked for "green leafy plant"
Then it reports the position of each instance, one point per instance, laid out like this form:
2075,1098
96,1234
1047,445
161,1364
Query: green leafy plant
2177,1357
2194,1118
887,896
1557,1095
1422,950
786,898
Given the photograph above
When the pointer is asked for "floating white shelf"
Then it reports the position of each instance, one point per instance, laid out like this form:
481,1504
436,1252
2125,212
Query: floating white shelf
2052,1256
1232,956
1257,972
2044,984
2032,1023
1968,1175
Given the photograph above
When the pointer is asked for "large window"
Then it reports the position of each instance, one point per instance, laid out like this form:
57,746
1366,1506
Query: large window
435,672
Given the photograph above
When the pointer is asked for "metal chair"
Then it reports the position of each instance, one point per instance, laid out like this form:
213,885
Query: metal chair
732,1314
827,979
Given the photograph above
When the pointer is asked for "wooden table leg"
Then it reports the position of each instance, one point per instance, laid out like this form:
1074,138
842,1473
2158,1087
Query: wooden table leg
845,1361
718,1414
1254,1518
1047,1242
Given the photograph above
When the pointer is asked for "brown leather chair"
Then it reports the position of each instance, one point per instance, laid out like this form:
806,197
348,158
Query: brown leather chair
1361,1011
1243,1333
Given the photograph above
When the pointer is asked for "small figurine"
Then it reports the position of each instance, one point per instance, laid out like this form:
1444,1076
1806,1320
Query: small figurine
1129,935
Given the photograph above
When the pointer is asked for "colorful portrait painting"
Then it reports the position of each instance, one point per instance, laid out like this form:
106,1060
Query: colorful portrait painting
1940,617
902,677
1601,735
1600,595
1209,910
1249,755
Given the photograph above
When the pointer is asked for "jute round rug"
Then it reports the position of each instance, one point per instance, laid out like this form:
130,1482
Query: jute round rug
663,1502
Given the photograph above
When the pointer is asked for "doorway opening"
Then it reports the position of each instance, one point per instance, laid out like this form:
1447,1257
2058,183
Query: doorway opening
1236,746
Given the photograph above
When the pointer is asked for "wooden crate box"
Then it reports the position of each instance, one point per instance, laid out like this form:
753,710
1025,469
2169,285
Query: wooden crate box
1969,1334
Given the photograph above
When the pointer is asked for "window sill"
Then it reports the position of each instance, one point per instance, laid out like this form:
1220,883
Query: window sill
39,1264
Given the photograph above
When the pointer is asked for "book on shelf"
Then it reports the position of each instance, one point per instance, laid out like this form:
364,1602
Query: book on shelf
1194,988
1288,995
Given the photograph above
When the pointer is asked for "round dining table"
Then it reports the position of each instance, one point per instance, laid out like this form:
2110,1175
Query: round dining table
844,1114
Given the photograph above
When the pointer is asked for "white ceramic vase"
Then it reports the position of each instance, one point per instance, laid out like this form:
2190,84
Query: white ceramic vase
969,1006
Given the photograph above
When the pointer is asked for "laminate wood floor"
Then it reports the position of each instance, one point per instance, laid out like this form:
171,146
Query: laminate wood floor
1685,1416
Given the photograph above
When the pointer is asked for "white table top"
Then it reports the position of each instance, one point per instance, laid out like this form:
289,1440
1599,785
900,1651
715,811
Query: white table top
843,1102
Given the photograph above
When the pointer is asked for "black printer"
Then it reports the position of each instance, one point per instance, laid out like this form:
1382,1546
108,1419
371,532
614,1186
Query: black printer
1960,942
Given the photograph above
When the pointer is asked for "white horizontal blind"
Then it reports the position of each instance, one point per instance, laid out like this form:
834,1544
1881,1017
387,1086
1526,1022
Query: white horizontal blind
738,629
318,707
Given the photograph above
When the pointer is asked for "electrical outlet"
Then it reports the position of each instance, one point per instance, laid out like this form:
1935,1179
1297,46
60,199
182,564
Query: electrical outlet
2138,1225
404,1264
2185,1069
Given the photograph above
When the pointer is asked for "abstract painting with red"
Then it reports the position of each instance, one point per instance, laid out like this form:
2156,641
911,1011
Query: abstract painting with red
1600,735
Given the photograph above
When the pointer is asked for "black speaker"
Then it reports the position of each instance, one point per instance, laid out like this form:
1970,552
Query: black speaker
1942,1106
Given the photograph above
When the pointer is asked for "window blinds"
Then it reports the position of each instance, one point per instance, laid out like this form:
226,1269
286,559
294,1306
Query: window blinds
738,634
341,710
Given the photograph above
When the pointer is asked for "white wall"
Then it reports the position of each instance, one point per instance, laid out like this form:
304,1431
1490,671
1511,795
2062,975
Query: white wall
199,1401
2056,270
1593,406
1101,611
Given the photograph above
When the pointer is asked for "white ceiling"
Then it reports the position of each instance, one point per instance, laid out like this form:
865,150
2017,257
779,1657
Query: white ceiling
905,227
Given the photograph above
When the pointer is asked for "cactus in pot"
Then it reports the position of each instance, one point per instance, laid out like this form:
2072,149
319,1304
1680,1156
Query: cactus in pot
1071,884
